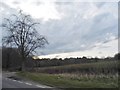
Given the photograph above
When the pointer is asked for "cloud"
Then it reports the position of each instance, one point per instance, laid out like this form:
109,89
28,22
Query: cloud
73,30
73,26
5,12
44,10
99,51
16,2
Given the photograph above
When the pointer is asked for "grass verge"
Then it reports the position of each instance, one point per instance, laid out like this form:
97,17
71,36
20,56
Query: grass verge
72,81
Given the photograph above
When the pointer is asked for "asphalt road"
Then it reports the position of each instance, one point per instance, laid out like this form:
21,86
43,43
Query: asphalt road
19,83
10,83
0,80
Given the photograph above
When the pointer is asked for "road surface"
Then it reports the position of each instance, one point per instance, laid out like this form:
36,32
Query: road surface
8,82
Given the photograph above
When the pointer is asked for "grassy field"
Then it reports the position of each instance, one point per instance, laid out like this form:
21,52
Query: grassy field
104,67
89,75
72,81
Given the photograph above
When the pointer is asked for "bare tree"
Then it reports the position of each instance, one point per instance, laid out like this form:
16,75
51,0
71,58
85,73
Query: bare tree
22,34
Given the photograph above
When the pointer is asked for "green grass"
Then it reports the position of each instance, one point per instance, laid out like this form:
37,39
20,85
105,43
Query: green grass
69,81
88,75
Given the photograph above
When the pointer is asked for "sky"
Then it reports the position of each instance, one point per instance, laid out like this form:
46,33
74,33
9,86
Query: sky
73,29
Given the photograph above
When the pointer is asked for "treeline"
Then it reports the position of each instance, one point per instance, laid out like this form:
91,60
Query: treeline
67,61
12,60
47,62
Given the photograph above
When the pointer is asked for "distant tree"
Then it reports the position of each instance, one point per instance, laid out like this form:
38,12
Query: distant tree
84,57
9,57
6,53
22,34
117,56
96,59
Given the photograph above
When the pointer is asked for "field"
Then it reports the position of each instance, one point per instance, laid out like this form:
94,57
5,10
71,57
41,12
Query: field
104,67
89,75
72,80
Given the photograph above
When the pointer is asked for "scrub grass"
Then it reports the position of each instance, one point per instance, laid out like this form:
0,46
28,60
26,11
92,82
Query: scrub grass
72,80
102,74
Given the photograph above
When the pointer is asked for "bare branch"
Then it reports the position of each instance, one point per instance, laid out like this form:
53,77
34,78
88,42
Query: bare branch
23,34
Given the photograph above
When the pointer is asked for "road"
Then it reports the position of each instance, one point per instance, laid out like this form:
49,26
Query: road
0,80
8,82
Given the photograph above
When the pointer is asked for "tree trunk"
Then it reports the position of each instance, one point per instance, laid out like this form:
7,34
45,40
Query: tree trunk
23,66
8,61
23,63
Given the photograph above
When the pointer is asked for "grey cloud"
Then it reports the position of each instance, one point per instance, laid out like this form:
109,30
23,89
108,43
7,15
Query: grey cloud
72,31
6,13
100,4
63,3
16,2
37,2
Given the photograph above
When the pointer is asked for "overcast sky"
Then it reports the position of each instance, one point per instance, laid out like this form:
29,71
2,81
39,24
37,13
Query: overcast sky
87,28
